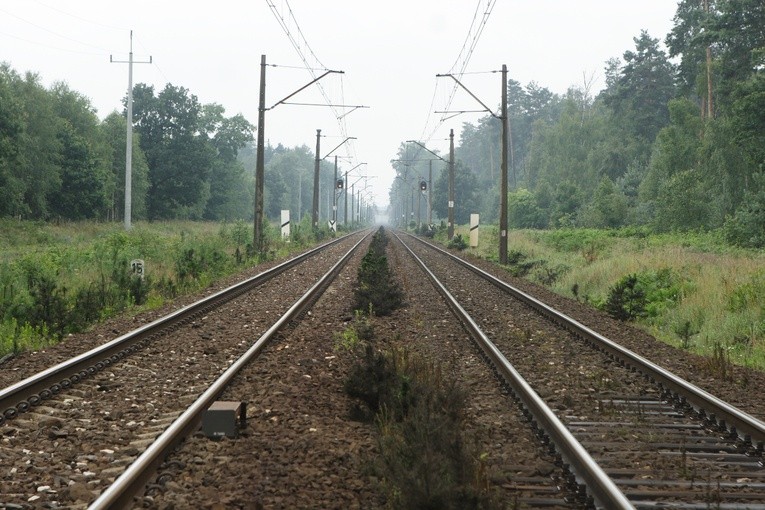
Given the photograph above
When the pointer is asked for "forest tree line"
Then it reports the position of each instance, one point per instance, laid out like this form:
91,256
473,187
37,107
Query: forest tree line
674,141
58,161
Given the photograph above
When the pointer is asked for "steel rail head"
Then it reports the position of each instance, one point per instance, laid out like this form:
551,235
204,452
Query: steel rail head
604,491
746,426
120,493
83,365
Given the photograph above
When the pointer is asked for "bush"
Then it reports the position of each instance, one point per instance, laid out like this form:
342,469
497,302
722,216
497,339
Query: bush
371,380
376,289
426,459
457,243
626,300
642,295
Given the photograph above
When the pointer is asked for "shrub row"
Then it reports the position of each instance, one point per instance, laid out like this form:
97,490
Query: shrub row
426,459
376,289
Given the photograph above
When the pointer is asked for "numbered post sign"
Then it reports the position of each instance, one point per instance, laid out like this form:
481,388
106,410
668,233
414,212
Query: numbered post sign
285,224
473,230
138,268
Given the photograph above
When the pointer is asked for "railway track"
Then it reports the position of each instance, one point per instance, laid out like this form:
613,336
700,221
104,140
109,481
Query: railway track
659,440
303,451
71,430
611,437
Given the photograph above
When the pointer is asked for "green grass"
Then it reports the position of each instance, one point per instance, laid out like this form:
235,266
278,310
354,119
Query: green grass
720,289
57,279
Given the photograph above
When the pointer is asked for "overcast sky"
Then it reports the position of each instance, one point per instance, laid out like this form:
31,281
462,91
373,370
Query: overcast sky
390,52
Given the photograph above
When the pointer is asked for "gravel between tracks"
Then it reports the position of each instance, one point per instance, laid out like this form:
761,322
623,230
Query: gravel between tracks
301,450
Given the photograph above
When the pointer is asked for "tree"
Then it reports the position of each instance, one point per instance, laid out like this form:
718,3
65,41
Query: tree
739,31
692,40
523,211
683,203
39,145
465,194
748,105
747,227
12,185
676,149
179,158
562,152
230,195
113,129
87,182
639,96
608,208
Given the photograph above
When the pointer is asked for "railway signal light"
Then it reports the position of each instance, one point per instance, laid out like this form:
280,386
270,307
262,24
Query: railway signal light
339,184
423,185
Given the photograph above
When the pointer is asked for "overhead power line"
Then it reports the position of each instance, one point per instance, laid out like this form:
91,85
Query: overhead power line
310,60
53,32
475,30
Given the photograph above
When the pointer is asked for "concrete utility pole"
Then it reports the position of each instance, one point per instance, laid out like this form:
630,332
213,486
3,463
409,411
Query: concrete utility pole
316,175
129,137
503,179
430,190
345,196
315,217
334,197
260,157
257,238
450,230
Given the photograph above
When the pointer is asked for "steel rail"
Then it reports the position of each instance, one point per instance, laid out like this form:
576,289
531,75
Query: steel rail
603,490
120,493
728,417
23,395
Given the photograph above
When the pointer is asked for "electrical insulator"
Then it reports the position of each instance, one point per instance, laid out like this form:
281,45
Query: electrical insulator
339,184
423,185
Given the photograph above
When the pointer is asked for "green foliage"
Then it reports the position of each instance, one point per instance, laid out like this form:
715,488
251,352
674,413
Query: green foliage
466,193
53,284
457,243
642,295
361,329
750,295
376,289
426,460
644,86
523,210
686,331
582,239
520,265
372,380
608,208
15,337
427,231
747,227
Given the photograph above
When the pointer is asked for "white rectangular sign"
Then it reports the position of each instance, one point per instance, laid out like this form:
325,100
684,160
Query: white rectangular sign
285,224
473,230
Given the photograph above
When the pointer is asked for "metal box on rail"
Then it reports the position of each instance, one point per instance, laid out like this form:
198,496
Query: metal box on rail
224,419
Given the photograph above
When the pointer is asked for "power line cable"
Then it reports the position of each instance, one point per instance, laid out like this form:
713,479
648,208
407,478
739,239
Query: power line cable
53,32
60,11
298,46
481,25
